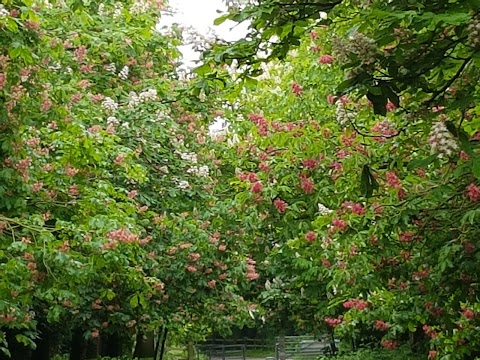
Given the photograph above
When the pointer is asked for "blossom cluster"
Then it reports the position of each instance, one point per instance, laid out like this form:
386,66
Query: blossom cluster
442,141
474,32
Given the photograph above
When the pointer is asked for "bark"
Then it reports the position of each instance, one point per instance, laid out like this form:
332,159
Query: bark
145,347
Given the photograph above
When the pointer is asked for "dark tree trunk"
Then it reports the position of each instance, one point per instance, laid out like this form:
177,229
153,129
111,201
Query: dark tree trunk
44,344
93,347
17,350
112,345
164,341
78,347
145,347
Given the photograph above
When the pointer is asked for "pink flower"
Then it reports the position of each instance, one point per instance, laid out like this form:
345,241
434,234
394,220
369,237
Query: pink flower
333,322
407,237
468,314
389,344
119,159
307,185
473,193
310,164
381,325
194,256
73,190
222,247
339,224
390,106
252,177
325,59
263,167
211,284
393,180
37,186
297,89
132,194
191,268
280,205
71,171
313,35
257,187
310,236
432,354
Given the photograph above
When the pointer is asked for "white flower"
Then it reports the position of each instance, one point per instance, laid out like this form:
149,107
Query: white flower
111,68
192,157
474,32
112,120
343,117
442,141
109,104
123,74
3,12
183,184
140,7
323,210
150,94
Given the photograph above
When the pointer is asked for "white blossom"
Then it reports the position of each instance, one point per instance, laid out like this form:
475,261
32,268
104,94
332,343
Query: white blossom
343,117
323,210
442,141
3,12
112,120
123,74
474,32
192,157
111,68
109,104
183,184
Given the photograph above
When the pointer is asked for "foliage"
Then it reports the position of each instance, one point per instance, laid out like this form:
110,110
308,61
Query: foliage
358,173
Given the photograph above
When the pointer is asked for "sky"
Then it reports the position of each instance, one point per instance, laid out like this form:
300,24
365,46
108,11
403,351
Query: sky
200,14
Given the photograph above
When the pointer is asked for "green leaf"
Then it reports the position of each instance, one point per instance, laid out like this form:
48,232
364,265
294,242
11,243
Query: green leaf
134,301
379,103
476,167
367,182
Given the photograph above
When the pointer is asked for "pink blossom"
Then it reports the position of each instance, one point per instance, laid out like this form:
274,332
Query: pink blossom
390,106
194,256
297,89
381,325
191,268
133,193
325,59
473,192
432,355
393,180
252,177
307,185
211,284
71,171
37,186
339,224
222,247
332,322
389,344
310,236
263,167
73,190
280,205
310,164
257,187
119,159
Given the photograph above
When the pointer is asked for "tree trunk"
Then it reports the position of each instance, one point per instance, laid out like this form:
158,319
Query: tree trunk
164,342
145,347
191,351
112,346
281,345
44,344
78,348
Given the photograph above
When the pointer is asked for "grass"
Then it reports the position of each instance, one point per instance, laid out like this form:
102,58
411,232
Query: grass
259,353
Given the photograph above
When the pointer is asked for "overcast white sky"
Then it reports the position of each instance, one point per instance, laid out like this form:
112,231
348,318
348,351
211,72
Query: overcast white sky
200,14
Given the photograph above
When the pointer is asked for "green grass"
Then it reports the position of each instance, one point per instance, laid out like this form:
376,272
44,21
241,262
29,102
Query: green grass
254,353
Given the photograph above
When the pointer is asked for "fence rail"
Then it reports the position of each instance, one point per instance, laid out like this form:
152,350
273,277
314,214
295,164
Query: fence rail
222,351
